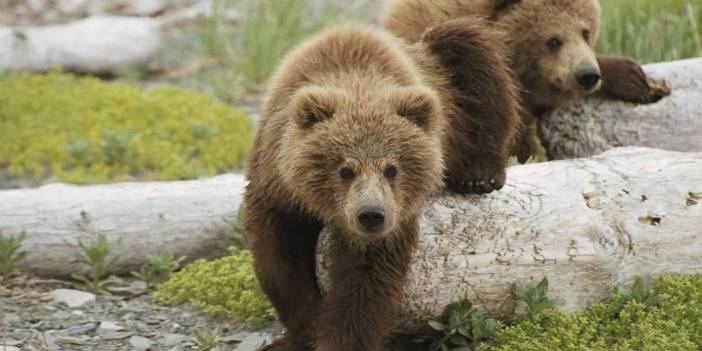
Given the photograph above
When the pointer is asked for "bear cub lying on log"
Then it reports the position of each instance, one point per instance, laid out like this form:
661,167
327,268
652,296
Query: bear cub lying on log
358,130
551,49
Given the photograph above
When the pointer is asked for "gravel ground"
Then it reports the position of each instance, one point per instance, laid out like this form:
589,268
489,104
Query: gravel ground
35,316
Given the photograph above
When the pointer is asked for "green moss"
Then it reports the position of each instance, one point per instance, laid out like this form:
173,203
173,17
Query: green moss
82,130
225,287
622,323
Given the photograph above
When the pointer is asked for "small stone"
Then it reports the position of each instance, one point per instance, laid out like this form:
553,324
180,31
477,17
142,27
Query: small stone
140,343
107,327
61,315
72,298
77,313
73,340
234,338
254,341
10,342
9,348
116,335
80,329
169,340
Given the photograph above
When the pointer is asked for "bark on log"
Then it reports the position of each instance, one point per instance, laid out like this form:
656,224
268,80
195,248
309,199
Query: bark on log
191,218
588,224
101,44
596,125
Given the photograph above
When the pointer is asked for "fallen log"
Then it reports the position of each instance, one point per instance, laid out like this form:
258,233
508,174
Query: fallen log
191,218
587,224
596,125
100,44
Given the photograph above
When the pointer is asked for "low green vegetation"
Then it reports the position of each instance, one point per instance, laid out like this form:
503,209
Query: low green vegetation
207,340
225,287
666,317
268,29
651,30
158,268
10,253
97,258
462,326
82,130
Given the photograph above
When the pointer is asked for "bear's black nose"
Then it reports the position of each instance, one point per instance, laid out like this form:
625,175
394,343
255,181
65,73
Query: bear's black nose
371,217
588,78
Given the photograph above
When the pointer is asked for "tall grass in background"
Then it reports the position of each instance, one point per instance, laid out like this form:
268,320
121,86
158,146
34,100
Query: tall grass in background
651,30
268,29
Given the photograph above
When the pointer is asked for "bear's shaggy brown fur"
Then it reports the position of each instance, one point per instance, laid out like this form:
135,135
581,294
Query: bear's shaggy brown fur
551,47
358,129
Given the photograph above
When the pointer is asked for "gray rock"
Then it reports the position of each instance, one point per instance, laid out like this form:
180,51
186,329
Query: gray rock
9,348
254,341
10,342
169,340
116,335
80,329
107,327
235,338
72,298
140,343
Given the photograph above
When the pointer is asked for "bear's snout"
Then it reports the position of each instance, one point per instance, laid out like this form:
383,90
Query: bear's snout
371,217
588,78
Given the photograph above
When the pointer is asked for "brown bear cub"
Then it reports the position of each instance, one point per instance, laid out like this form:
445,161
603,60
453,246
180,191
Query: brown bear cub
358,130
550,43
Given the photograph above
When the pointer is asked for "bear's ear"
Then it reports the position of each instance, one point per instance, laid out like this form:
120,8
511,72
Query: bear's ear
311,105
419,105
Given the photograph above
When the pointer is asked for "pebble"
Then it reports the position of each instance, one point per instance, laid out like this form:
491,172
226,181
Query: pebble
72,298
8,348
140,343
254,341
169,340
80,329
107,327
116,335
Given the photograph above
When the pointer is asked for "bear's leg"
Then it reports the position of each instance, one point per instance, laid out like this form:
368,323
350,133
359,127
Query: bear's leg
283,245
360,309
481,132
624,79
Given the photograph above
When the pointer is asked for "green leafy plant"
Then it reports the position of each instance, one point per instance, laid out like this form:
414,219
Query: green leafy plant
83,130
158,268
641,293
10,253
633,320
462,326
95,255
206,340
536,298
227,287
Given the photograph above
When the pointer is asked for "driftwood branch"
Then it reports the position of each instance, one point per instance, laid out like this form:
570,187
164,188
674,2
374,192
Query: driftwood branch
190,218
588,224
596,125
101,44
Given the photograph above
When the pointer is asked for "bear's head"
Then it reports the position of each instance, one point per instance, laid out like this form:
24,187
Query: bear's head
364,162
552,42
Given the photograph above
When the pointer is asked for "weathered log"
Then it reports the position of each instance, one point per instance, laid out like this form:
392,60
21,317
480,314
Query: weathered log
191,218
596,125
588,224
101,44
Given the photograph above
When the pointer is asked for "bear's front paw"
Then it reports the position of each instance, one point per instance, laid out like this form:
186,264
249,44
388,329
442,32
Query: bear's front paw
477,181
624,79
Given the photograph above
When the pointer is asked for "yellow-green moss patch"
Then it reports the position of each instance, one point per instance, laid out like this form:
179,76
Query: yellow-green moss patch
226,287
83,130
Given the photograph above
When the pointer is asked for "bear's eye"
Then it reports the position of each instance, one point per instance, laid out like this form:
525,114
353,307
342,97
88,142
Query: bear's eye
554,43
346,173
391,172
586,35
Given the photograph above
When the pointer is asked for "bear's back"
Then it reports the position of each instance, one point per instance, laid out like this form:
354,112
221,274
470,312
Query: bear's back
408,19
